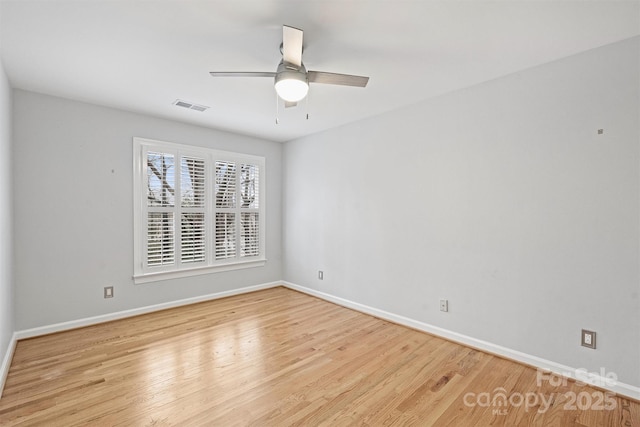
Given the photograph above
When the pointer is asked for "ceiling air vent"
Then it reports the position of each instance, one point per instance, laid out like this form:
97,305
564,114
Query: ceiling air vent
189,105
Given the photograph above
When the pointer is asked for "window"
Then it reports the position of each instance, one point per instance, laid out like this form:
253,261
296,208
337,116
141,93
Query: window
196,210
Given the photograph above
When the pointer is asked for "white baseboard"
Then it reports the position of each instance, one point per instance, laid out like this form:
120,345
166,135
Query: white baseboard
6,362
73,324
618,388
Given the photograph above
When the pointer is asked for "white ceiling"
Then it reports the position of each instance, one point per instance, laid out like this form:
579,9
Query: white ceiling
143,55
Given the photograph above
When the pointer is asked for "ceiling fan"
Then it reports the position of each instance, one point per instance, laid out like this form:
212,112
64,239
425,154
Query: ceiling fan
291,77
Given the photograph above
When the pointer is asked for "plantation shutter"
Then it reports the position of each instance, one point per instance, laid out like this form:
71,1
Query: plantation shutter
249,216
169,222
160,239
192,221
237,223
225,234
160,203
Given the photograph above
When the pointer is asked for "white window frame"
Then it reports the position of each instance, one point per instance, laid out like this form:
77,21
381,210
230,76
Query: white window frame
144,273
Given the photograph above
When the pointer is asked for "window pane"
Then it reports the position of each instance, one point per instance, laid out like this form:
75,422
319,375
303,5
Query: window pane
160,239
249,234
249,185
225,235
160,179
225,185
192,182
192,239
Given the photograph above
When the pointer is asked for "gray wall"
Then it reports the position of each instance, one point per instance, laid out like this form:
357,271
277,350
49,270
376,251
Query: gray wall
501,197
73,167
6,209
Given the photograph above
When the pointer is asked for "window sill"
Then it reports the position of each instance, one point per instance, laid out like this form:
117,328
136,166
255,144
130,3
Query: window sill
177,274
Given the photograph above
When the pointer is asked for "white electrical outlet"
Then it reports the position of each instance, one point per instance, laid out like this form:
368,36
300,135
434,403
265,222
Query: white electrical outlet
588,339
444,305
108,292
320,275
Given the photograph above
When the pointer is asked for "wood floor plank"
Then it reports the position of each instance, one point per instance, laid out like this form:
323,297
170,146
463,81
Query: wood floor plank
278,357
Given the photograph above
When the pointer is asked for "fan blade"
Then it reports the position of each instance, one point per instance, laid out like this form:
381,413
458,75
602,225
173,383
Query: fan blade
288,104
241,74
337,79
292,45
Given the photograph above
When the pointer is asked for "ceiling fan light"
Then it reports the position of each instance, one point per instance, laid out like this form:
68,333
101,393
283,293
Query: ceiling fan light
292,88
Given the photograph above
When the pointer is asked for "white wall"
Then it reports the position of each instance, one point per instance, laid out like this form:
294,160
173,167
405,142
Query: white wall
74,210
6,209
501,197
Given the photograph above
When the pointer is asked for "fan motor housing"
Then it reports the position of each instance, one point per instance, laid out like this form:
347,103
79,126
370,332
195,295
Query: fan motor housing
288,71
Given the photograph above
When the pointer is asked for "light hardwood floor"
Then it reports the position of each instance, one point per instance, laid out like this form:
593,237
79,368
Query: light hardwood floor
278,357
